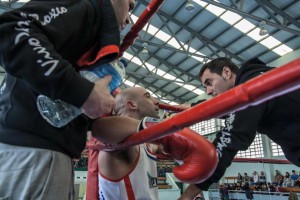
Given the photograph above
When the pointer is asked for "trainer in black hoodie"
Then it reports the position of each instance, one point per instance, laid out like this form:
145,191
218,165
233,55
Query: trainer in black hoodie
43,44
278,118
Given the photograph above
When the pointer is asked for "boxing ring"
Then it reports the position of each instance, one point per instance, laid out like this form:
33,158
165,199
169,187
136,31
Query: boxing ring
269,85
274,83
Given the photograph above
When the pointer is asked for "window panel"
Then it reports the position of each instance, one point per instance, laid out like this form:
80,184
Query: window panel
205,127
254,151
276,149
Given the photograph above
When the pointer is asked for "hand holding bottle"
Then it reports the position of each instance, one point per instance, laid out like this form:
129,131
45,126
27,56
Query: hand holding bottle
100,100
59,113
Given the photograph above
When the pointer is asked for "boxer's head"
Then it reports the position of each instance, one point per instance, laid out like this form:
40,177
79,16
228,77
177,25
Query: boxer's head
136,102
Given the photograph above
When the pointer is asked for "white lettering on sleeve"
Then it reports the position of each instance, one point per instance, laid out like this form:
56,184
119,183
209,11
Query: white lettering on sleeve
225,138
24,33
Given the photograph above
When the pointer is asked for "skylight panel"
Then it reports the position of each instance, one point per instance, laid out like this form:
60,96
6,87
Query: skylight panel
215,10
270,42
165,101
180,84
152,68
168,102
129,83
198,91
244,26
159,34
159,71
173,42
132,58
201,3
169,76
169,39
282,50
189,87
191,50
254,34
230,17
193,89
152,30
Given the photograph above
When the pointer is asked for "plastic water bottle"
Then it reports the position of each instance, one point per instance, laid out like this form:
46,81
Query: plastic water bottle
59,113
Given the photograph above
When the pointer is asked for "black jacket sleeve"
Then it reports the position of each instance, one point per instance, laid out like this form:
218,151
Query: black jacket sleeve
40,44
238,134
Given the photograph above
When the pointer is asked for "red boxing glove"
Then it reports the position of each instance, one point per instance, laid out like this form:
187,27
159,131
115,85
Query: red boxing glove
199,156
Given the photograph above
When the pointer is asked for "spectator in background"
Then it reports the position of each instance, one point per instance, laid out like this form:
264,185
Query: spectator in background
221,193
263,187
254,179
278,179
226,192
239,178
256,187
231,186
262,178
246,177
270,187
161,172
297,183
293,196
287,180
248,191
239,186
294,178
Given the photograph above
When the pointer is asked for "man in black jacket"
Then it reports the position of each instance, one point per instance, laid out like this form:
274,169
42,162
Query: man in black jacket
278,118
43,45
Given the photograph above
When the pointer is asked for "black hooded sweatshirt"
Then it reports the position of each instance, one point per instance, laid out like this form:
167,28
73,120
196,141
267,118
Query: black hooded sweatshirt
278,118
41,49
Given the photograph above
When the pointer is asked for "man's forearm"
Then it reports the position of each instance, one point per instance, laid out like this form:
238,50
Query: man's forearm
114,129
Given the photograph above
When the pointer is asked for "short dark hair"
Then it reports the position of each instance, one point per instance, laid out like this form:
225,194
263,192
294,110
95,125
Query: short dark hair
216,66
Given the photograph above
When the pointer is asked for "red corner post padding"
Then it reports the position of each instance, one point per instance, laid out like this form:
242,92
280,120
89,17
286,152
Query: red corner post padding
92,185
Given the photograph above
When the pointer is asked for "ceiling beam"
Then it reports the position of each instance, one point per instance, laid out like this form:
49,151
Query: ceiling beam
281,13
264,7
167,64
172,49
164,79
233,4
148,85
172,33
